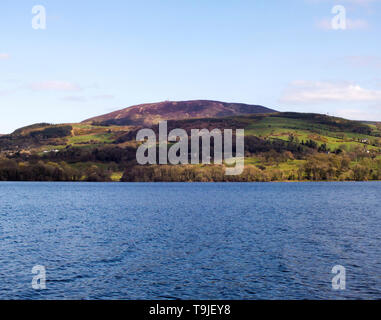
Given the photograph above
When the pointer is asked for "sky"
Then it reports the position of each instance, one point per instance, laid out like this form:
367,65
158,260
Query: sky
96,56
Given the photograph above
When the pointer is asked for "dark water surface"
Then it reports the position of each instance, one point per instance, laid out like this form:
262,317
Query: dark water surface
190,241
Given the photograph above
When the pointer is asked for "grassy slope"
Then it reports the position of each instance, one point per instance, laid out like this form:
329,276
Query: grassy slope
276,126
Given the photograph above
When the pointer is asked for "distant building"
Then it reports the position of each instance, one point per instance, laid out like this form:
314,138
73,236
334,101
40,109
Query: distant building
47,151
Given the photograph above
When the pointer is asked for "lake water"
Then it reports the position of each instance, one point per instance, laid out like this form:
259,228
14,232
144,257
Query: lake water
190,241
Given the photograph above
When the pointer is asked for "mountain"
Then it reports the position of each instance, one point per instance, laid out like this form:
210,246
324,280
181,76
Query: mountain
279,146
153,113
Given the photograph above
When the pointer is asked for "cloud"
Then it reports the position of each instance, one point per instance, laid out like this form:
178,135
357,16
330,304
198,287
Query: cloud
352,24
357,24
370,115
74,98
364,61
353,2
360,2
4,92
319,92
54,86
104,97
83,99
4,56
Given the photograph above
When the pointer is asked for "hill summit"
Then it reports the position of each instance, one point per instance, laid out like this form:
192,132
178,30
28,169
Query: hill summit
153,113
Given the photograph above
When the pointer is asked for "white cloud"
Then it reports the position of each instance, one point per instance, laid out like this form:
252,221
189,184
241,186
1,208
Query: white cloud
54,86
364,61
358,2
83,98
324,24
74,98
357,24
352,24
354,2
4,56
4,92
355,114
319,92
104,97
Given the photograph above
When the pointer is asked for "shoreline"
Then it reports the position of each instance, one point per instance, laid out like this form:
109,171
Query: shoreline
193,182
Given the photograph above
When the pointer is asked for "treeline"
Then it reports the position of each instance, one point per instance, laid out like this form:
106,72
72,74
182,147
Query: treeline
76,154
52,132
322,167
319,167
20,139
101,154
11,170
189,173
335,124
255,145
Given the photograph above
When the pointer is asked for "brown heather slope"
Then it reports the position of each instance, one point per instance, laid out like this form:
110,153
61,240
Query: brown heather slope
152,113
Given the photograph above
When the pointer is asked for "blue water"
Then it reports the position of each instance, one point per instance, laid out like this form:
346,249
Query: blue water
190,241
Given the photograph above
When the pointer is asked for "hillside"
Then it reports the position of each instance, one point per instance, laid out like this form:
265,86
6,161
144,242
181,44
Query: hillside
278,147
153,113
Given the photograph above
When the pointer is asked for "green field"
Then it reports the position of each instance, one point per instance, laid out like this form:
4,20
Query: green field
277,127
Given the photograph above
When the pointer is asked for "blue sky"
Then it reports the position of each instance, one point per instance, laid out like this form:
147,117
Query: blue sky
98,56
